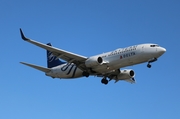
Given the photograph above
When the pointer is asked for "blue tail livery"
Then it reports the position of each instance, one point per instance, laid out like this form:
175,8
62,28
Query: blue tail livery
52,60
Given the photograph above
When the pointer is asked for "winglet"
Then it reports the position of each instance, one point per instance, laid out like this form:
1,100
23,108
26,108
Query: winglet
22,35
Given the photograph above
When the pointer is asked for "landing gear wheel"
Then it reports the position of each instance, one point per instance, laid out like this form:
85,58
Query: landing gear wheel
148,65
104,81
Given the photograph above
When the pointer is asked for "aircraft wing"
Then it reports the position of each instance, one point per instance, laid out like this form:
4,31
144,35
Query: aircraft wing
59,53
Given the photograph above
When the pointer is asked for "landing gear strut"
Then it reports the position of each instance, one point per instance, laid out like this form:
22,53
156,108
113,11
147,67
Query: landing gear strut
104,81
150,61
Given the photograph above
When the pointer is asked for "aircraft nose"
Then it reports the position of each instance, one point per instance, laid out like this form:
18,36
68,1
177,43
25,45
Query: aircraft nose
161,50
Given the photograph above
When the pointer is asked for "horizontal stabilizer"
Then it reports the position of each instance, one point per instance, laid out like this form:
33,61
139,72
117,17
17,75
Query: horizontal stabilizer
43,69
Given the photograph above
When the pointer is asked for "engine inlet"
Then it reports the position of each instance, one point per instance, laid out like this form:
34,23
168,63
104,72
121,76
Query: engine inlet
100,60
131,73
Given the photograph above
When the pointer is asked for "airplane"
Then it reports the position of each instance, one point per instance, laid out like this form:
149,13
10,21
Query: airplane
107,65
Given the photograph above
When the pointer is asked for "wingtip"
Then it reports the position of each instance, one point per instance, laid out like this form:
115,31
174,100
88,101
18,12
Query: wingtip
22,35
21,62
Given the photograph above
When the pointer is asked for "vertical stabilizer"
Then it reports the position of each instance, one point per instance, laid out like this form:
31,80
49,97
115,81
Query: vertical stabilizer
52,60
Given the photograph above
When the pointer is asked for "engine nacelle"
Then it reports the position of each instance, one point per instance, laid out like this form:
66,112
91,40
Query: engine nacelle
93,61
125,74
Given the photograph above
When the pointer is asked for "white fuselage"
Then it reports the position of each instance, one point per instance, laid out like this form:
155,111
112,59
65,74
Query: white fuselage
113,60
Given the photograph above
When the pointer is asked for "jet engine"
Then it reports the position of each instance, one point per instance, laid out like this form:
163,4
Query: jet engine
93,61
125,74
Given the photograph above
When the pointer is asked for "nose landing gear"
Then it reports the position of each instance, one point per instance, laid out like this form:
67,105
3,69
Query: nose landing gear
150,61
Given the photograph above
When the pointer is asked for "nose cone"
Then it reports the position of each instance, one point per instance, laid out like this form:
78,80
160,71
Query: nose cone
161,50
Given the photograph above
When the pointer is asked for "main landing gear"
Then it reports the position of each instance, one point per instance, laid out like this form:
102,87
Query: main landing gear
104,81
150,61
86,74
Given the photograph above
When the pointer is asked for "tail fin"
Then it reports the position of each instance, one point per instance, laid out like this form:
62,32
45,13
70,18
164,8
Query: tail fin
52,60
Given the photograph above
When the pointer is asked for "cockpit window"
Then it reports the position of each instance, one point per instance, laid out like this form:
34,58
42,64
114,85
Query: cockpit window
154,45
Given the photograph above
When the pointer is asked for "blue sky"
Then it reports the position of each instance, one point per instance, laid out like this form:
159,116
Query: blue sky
88,27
